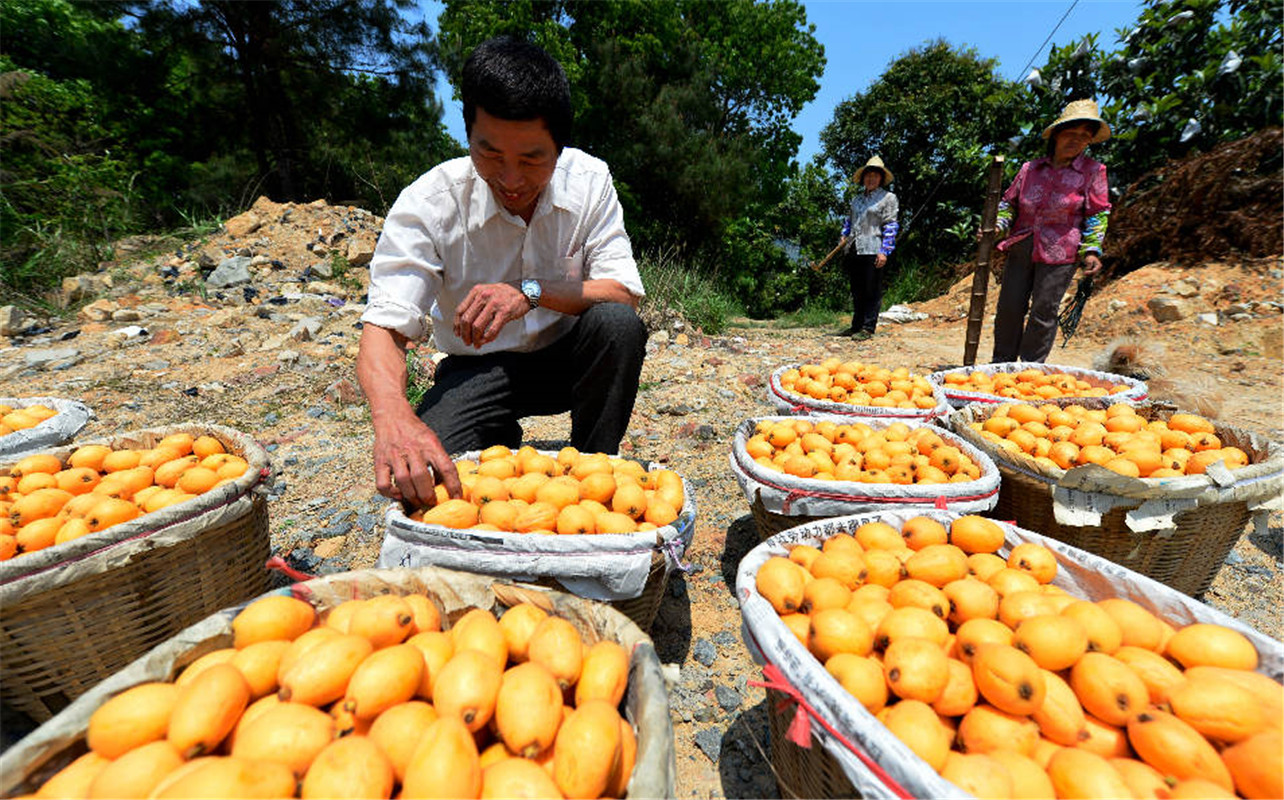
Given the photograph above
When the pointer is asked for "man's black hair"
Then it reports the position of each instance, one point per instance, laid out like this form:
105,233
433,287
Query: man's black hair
514,79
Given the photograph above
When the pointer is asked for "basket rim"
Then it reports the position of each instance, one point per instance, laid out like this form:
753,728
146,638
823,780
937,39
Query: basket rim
1136,392
812,405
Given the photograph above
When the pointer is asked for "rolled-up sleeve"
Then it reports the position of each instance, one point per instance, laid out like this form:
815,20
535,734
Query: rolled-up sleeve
405,272
607,250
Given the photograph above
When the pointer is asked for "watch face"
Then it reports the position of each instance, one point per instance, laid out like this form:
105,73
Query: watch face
531,289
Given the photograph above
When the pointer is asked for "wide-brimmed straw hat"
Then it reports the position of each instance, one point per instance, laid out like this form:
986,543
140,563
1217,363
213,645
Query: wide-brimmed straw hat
875,163
1081,111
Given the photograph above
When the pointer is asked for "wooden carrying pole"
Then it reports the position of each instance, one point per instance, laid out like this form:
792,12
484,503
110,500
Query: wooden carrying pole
981,276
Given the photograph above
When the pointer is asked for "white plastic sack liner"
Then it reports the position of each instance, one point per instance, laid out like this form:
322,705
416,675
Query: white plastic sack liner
959,397
71,418
877,763
604,566
793,496
53,745
787,402
1083,495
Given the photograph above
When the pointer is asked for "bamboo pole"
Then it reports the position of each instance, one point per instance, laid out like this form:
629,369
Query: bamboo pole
981,276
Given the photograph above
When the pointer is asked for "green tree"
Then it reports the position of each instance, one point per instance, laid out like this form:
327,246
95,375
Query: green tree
670,95
933,116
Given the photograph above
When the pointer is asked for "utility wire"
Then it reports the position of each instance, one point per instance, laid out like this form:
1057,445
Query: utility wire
1045,41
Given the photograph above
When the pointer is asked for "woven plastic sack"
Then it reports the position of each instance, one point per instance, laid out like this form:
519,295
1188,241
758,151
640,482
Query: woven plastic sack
62,427
1083,495
792,496
959,397
27,764
877,763
606,566
787,402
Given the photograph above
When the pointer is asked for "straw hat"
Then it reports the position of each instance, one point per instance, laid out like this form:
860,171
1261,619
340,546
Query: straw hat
1081,111
875,163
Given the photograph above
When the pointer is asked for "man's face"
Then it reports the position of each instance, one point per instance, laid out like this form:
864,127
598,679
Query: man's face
516,158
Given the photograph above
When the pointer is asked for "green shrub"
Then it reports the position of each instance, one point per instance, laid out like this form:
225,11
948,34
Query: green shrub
675,288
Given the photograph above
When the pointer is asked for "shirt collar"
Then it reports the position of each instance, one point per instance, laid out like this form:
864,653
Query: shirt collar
1080,163
483,206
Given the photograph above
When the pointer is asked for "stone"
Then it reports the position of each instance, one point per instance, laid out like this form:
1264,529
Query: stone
322,269
359,252
273,343
727,697
709,741
704,652
1184,287
682,339
1167,309
165,336
1116,305
12,320
306,329
99,310
50,358
126,315
1207,318
243,224
79,287
324,287
230,272
344,392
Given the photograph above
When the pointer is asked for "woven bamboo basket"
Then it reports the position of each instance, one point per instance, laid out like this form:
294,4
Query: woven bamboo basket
557,562
958,396
801,772
55,744
73,614
796,501
789,402
1185,555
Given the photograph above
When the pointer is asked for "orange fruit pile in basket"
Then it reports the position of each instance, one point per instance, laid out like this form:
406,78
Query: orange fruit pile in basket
1117,438
45,501
1030,384
374,697
19,419
830,451
859,384
569,493
1009,686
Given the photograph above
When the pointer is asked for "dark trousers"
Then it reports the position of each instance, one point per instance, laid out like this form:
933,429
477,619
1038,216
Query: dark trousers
1037,288
867,290
592,371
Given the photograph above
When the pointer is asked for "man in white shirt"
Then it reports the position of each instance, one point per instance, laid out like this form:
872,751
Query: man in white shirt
518,255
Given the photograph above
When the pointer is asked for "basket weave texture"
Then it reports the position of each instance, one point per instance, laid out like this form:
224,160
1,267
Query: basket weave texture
73,614
801,772
1185,556
56,743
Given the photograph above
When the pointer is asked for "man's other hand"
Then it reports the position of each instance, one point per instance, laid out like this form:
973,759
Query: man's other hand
486,310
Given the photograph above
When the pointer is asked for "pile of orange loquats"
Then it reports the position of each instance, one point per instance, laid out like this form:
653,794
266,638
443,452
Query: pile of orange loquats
831,451
1029,384
46,501
1009,686
567,493
369,697
1117,438
859,384
20,419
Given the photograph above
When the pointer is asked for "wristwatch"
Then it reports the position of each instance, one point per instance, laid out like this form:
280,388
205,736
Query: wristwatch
532,290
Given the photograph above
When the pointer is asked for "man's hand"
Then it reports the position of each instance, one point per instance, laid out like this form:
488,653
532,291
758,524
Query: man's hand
409,460
486,310
879,261
1091,264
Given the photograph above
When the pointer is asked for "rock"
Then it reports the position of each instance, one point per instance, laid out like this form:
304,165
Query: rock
273,343
1239,308
1168,309
126,315
704,652
343,392
324,287
230,272
12,320
243,224
660,337
727,697
1184,287
79,287
709,741
322,269
306,329
99,310
682,339
1273,344
1116,305
287,356
1208,317
165,336
51,358
359,252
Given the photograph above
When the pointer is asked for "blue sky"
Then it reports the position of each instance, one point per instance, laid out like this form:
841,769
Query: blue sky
862,37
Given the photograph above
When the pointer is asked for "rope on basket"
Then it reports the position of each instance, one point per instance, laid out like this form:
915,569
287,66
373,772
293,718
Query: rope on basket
800,728
279,565
675,553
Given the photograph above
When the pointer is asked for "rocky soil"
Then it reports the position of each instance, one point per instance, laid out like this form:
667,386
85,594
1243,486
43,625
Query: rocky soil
256,327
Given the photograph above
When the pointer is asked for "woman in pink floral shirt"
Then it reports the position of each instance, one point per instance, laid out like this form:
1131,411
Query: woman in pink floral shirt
1061,206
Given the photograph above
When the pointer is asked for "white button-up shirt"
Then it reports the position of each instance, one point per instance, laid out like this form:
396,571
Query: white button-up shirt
447,233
